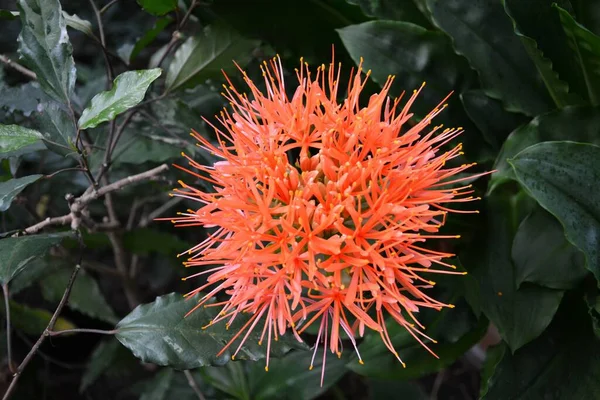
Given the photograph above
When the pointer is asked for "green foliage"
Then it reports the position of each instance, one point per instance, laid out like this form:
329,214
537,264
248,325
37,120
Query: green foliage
525,83
159,333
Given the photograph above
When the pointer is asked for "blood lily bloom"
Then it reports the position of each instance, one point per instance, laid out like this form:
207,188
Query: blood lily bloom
320,209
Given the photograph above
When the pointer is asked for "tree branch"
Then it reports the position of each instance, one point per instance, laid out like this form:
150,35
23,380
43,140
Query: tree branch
193,384
10,63
45,334
79,204
8,328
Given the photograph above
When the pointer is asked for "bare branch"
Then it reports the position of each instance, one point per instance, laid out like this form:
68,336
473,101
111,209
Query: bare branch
8,328
10,63
193,384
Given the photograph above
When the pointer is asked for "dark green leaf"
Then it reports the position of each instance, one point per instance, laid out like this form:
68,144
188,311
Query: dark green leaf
17,252
291,375
9,15
16,140
159,333
572,123
560,364
520,314
588,15
380,389
23,98
56,122
45,48
393,10
86,296
138,149
145,241
493,356
36,270
160,385
494,122
203,57
158,7
230,378
12,187
128,90
482,32
99,362
33,321
586,46
149,37
538,26
562,177
543,256
380,363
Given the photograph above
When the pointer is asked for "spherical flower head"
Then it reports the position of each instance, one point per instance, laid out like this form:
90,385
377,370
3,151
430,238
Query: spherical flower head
320,209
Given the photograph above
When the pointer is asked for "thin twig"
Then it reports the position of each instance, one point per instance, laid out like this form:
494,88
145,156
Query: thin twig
45,334
10,63
82,330
109,70
8,328
90,195
176,35
106,7
159,211
193,384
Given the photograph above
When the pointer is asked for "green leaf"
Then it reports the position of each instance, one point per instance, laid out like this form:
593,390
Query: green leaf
36,269
24,98
12,187
17,252
149,37
540,31
490,117
392,10
380,363
562,176
160,385
291,375
586,46
33,321
159,333
493,356
86,296
16,140
203,57
128,90
9,15
543,256
560,364
571,123
145,241
520,314
56,123
230,378
482,32
137,149
385,389
158,7
100,360
82,25
45,48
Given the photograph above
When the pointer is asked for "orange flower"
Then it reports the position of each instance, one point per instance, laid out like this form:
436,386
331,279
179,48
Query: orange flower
320,209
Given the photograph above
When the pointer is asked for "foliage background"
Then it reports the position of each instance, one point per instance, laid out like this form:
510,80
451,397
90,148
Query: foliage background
526,83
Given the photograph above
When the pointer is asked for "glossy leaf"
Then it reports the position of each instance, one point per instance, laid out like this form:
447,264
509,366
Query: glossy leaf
36,270
128,90
205,56
86,296
160,385
560,364
520,313
17,252
16,140
482,32
572,123
158,7
561,176
12,187
56,123
543,256
159,333
45,48
586,46
100,360
230,378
